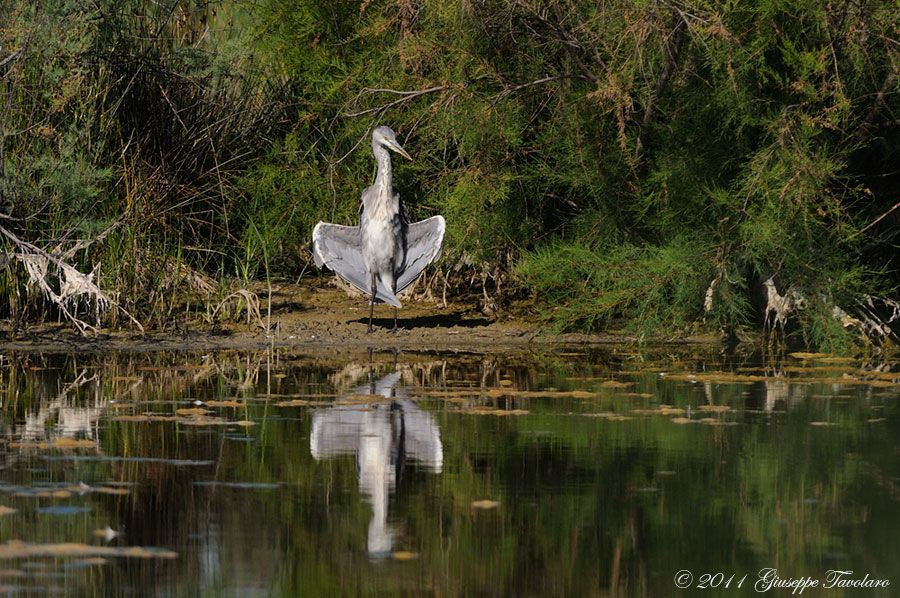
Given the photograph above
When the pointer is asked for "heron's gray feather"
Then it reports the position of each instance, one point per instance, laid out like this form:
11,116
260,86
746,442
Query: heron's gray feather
424,241
385,250
339,248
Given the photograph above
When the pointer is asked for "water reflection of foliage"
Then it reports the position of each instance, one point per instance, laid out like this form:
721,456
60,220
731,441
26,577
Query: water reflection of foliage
585,503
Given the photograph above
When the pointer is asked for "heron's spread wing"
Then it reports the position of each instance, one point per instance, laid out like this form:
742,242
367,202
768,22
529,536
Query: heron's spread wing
340,249
424,241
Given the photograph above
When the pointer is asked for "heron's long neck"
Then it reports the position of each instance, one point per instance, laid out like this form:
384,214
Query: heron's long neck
383,178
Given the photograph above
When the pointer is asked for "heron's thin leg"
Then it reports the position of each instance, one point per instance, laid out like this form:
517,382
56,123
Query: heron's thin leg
371,304
394,289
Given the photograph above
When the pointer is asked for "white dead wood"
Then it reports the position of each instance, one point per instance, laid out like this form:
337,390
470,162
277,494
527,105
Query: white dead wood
873,321
778,306
43,267
710,292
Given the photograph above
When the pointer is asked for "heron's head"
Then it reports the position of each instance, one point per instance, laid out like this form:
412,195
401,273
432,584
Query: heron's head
385,137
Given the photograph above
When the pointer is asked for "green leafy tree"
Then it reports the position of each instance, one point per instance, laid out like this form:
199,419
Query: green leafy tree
651,164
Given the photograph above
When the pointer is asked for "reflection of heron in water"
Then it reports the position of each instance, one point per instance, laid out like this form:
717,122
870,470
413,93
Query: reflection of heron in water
383,437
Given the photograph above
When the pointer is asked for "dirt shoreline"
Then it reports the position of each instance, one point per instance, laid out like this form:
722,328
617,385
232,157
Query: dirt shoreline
311,317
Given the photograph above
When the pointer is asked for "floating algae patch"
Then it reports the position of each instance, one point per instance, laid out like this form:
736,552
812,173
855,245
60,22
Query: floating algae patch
245,485
607,415
883,383
198,411
64,492
805,356
63,510
404,555
16,549
303,403
42,493
825,369
494,393
498,412
717,377
295,396
229,403
615,384
190,417
157,460
460,392
95,561
59,443
713,408
661,410
12,573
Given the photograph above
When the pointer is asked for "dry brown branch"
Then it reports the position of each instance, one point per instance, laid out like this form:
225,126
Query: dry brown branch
879,219
567,39
406,95
514,88
12,56
671,47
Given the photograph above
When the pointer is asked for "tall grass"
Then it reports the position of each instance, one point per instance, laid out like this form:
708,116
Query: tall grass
137,116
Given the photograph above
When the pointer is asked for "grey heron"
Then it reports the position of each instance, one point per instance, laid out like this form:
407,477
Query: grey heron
385,253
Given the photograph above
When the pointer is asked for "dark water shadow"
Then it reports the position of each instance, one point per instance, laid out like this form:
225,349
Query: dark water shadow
451,320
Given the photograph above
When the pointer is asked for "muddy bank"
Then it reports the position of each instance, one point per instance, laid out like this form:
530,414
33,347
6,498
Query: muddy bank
308,317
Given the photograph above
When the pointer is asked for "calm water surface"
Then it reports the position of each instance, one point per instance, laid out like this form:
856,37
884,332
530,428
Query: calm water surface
567,473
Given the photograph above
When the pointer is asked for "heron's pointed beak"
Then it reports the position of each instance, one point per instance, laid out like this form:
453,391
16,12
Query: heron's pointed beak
399,149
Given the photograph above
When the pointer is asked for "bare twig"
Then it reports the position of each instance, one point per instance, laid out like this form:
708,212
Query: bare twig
85,243
567,39
12,56
879,219
385,90
514,88
344,157
406,95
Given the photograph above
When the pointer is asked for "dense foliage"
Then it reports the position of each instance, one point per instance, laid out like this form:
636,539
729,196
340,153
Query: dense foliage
654,161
